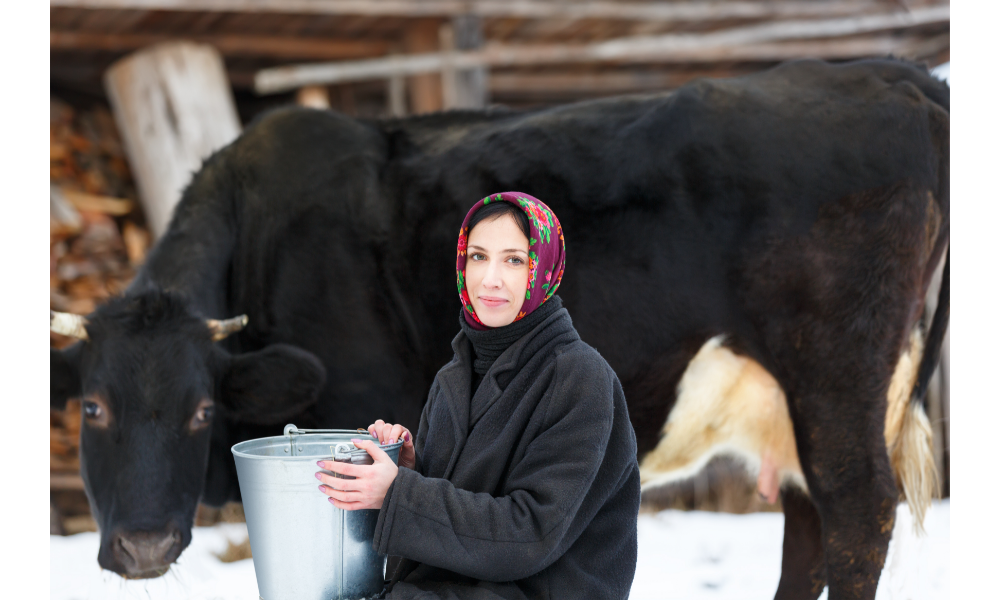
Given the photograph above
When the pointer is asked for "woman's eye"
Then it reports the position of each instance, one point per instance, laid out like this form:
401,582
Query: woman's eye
516,261
91,410
478,256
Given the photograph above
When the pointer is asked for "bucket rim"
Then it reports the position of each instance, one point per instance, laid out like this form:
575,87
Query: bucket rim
283,438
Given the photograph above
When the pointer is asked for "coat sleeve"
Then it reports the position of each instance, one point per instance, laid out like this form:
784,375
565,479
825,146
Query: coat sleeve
420,435
516,535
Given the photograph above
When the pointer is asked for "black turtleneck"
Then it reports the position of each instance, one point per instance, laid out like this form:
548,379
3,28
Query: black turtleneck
488,345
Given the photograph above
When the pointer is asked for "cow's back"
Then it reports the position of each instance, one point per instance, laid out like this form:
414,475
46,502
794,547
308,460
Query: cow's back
659,194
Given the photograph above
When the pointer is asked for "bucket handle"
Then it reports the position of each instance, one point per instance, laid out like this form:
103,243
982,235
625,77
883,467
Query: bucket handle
291,430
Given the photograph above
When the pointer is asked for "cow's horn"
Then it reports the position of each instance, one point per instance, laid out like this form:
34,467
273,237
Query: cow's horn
68,324
220,329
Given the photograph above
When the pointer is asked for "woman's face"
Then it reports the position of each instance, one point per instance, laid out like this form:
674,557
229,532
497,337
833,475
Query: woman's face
496,270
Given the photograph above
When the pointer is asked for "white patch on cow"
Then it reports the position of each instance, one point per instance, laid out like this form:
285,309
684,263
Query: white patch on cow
729,404
726,404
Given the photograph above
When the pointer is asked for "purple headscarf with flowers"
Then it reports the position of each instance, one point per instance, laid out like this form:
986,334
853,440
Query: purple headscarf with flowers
546,254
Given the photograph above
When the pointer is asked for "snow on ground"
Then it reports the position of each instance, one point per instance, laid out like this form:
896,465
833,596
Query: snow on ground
716,556
689,555
197,575
943,72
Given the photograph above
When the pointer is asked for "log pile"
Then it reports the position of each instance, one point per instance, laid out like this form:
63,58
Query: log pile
97,238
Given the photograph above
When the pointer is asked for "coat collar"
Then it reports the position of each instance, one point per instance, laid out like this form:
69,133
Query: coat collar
458,375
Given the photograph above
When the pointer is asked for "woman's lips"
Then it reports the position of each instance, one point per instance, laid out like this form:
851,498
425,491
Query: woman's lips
492,302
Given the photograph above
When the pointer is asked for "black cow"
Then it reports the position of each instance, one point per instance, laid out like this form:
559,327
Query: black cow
777,230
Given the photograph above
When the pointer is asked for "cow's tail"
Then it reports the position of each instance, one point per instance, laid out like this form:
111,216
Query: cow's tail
911,449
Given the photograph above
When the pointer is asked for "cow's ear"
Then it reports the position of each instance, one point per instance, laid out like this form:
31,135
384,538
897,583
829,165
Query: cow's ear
64,375
270,385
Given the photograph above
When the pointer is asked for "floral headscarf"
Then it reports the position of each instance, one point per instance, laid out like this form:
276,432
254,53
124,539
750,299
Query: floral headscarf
546,254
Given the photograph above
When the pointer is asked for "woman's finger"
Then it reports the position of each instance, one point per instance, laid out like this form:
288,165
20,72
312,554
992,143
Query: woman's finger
341,495
345,468
347,505
377,453
386,433
397,433
346,497
376,428
337,483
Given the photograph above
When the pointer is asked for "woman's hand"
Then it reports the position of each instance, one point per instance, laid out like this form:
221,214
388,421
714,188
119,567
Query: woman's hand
387,433
371,482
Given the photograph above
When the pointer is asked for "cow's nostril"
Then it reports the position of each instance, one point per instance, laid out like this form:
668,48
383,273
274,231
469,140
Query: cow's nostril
147,553
173,549
124,551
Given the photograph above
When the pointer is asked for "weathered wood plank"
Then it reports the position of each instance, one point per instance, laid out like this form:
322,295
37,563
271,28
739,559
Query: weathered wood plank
173,106
531,9
227,44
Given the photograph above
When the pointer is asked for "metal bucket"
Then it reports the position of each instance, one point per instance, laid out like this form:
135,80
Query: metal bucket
303,547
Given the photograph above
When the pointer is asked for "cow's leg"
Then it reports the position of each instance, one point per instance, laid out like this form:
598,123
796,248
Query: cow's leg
843,456
803,569
834,308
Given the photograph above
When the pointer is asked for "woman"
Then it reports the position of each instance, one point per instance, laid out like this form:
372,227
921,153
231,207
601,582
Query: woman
522,480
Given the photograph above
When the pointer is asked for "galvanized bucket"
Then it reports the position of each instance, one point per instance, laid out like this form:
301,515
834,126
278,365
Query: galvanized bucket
303,547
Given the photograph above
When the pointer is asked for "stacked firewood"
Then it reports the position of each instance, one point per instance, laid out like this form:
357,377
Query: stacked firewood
97,238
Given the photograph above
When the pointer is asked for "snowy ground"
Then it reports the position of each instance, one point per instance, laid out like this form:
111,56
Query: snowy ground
715,556
689,555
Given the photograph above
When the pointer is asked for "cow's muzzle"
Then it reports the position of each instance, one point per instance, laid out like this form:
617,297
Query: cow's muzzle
143,554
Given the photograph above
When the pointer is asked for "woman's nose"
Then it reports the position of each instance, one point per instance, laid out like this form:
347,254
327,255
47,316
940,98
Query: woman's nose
492,279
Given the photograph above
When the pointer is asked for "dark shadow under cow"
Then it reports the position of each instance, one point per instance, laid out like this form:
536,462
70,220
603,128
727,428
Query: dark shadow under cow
798,212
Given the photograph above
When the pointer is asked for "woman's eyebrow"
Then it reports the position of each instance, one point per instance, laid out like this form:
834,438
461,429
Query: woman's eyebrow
502,251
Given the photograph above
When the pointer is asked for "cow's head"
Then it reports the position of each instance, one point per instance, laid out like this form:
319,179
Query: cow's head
153,384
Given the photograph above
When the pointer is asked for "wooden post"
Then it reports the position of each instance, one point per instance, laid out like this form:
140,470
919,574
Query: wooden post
425,90
471,85
449,75
174,107
396,93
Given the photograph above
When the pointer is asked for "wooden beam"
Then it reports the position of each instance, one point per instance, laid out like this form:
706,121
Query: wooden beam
523,9
539,85
583,84
769,32
767,42
228,45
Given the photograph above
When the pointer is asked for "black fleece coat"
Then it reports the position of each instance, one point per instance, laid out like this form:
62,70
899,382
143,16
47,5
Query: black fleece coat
529,490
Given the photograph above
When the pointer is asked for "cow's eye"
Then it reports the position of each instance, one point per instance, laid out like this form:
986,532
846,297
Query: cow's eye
91,410
95,411
202,415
